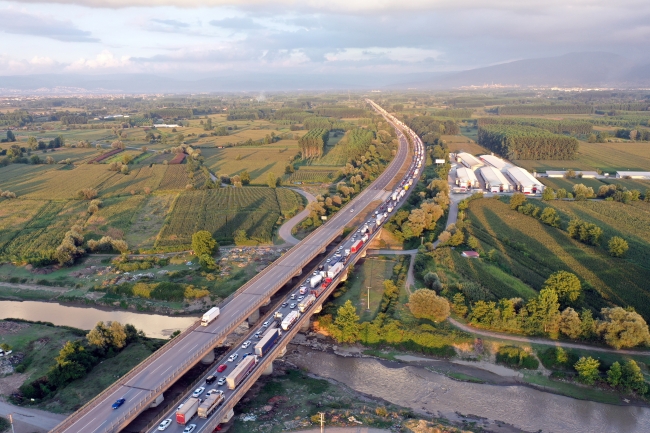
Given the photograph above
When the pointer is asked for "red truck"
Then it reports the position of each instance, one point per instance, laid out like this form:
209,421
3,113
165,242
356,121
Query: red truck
356,246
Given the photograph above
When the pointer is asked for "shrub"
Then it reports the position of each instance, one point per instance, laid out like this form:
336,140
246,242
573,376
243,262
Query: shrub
517,357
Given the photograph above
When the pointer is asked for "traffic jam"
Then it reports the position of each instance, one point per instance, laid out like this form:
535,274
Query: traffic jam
241,361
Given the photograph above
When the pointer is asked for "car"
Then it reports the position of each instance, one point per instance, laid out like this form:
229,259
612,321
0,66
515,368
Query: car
258,334
351,210
190,428
210,379
163,425
292,306
246,344
284,304
328,260
246,354
338,255
266,324
119,402
300,298
180,406
293,296
315,273
221,381
233,357
198,391
221,368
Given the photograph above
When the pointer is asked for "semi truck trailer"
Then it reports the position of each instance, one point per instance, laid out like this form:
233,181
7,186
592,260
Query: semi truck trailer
208,317
210,404
288,321
267,342
241,371
310,299
187,411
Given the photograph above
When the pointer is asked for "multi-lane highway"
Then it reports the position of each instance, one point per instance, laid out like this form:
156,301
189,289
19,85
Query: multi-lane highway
148,380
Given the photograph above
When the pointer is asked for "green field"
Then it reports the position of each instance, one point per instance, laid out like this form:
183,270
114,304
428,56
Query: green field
531,251
307,174
224,211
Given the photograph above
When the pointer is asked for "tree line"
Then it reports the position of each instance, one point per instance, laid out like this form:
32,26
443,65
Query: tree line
313,143
566,126
430,129
537,109
339,111
526,142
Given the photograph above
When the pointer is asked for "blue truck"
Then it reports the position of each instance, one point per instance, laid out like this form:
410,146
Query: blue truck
267,342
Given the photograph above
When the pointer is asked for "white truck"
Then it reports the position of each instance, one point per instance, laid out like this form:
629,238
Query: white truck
315,280
306,303
288,321
336,269
241,371
394,195
390,208
208,317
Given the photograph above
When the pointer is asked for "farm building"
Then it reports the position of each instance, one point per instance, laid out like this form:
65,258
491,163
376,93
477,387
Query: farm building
470,254
523,181
495,162
495,181
469,161
466,177
633,174
561,173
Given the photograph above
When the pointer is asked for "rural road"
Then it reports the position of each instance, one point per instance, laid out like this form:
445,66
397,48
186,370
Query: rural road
30,420
287,227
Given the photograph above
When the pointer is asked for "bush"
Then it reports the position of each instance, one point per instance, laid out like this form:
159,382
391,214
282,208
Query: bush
517,357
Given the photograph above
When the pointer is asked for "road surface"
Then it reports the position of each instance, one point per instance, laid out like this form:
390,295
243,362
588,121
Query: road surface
30,420
287,227
142,384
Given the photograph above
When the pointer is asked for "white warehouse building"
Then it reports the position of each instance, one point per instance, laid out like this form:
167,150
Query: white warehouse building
466,177
469,161
523,181
495,162
633,174
495,181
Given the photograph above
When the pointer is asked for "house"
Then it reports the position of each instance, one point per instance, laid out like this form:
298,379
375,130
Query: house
633,174
470,254
469,161
495,181
523,181
466,177
495,162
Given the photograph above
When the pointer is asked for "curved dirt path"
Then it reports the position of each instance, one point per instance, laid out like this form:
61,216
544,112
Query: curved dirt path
29,419
287,227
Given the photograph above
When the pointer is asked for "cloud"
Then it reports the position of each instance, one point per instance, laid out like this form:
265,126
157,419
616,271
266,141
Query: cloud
170,23
103,60
236,23
23,23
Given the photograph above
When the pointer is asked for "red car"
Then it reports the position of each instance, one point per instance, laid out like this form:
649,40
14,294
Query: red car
221,368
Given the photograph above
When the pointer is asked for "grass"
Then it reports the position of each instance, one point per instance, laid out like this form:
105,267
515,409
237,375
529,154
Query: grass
148,220
572,390
464,143
531,251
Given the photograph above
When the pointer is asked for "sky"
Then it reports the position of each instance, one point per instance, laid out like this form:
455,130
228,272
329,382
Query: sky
200,38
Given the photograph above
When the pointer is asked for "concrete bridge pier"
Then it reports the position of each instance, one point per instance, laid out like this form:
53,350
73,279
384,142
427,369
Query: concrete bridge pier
228,416
254,317
318,309
282,352
208,358
299,273
268,370
344,277
267,302
304,328
363,254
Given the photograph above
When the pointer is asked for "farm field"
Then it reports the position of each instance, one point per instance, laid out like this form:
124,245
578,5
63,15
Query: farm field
148,220
256,210
312,174
19,178
531,251
560,182
608,157
462,143
64,184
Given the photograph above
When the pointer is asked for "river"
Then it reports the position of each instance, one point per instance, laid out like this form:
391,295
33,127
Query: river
523,407
153,325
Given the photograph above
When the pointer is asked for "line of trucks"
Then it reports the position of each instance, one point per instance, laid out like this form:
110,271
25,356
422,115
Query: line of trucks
318,283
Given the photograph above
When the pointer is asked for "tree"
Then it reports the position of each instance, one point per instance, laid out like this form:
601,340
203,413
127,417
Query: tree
346,323
459,305
124,169
118,335
548,194
617,246
289,169
432,281
517,200
621,328
587,369
565,284
570,324
588,324
582,192
207,262
544,313
10,136
32,142
99,336
550,217
472,242
203,243
632,378
425,304
240,237
245,177
120,245
271,180
614,375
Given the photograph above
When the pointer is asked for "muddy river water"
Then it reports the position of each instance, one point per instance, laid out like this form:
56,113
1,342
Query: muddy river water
523,407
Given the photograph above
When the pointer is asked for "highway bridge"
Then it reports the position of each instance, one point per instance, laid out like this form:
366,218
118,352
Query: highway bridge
147,381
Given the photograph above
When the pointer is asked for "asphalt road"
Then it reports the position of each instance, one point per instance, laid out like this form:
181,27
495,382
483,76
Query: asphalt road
143,384
287,227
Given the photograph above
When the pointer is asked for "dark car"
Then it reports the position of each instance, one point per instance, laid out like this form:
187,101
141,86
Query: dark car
221,368
119,402
210,379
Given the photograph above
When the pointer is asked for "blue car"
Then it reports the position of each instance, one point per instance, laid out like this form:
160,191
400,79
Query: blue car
118,403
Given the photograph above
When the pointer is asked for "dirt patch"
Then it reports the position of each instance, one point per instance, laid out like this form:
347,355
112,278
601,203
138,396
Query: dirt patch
10,384
7,328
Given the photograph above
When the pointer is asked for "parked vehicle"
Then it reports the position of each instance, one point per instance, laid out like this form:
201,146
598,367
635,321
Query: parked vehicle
208,317
241,371
185,413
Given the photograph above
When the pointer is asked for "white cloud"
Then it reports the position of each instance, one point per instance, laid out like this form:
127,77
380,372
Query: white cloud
396,54
103,60
42,61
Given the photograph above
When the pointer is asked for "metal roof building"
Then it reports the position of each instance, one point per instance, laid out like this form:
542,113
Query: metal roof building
633,174
495,162
466,177
524,181
495,181
469,161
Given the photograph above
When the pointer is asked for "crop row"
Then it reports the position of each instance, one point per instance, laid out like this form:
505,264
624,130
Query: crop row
311,176
103,156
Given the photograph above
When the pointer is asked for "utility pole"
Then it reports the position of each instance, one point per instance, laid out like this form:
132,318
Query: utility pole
11,421
368,298
322,421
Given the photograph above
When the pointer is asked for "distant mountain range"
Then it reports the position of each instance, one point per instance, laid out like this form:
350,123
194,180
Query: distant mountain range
570,70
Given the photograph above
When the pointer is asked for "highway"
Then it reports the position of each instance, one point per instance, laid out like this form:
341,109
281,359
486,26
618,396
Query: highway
148,380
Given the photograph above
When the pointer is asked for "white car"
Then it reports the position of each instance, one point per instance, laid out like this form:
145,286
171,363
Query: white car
351,210
266,324
190,428
246,344
292,306
197,392
328,260
300,298
163,425
180,406
221,381
233,357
